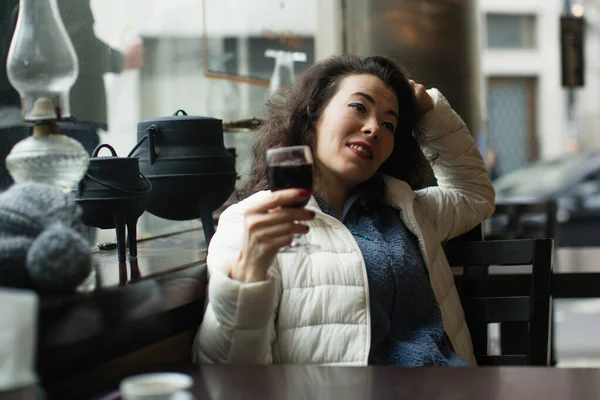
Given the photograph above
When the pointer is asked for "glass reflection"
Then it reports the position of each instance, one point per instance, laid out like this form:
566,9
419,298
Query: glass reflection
142,59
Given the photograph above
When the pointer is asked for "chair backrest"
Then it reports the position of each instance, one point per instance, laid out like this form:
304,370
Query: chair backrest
481,308
522,219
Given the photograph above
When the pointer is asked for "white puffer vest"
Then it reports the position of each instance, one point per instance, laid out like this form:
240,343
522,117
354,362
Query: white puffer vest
314,308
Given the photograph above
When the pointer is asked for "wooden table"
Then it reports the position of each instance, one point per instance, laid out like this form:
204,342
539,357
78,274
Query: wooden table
161,294
348,383
233,382
84,339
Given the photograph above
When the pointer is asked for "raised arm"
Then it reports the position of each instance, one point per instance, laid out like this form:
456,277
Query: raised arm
464,196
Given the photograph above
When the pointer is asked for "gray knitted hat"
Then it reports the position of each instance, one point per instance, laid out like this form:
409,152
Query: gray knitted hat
40,245
59,259
28,208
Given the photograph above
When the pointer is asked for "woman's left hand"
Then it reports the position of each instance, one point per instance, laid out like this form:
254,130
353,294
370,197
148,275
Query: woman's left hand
425,100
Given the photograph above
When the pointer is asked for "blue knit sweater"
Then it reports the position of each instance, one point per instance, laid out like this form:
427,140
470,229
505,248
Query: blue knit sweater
406,322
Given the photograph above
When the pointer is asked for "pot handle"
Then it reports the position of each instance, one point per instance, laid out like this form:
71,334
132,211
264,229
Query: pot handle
176,113
100,146
147,190
151,143
150,136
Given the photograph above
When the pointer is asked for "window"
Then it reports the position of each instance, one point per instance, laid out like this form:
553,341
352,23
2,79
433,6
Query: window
144,59
511,31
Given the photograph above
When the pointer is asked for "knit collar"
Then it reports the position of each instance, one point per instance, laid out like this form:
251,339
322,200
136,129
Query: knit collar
354,196
398,194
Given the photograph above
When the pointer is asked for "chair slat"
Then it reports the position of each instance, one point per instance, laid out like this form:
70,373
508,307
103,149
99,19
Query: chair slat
495,252
541,294
498,309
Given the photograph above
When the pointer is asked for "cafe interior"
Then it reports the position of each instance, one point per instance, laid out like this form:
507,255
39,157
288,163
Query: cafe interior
139,119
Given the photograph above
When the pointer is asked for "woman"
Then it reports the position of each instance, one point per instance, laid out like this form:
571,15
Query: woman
380,290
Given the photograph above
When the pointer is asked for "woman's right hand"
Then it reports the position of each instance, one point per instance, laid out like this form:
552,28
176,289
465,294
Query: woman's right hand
268,226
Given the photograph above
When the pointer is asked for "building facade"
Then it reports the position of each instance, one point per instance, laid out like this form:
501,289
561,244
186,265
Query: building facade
526,110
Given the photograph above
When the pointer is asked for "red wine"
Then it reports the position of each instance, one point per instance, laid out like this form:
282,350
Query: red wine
291,176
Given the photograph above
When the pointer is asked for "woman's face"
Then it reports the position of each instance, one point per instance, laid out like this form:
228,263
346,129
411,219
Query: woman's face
355,132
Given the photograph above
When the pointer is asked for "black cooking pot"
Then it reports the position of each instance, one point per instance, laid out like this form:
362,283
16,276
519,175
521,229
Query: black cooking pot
113,194
191,171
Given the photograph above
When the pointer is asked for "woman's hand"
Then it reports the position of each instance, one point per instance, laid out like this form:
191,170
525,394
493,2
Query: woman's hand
425,100
268,226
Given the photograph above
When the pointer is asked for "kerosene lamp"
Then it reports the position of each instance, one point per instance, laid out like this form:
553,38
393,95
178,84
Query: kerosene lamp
42,66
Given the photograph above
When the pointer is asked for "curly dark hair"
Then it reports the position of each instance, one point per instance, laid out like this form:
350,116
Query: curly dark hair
291,117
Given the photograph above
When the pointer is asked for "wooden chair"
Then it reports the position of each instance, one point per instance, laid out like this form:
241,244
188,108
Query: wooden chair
511,222
483,305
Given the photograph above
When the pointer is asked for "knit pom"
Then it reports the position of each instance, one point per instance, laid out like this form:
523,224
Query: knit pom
13,252
59,259
27,208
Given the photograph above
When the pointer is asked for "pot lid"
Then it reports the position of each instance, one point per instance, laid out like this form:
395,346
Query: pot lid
181,115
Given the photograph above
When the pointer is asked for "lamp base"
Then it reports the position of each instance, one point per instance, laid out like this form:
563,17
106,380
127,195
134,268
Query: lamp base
48,156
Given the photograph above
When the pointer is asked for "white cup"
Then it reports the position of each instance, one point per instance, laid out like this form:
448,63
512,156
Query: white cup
158,386
18,333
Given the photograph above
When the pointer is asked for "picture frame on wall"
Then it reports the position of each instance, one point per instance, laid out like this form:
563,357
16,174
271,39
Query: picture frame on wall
264,42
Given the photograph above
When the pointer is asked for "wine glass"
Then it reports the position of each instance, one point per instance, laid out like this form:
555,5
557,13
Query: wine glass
292,167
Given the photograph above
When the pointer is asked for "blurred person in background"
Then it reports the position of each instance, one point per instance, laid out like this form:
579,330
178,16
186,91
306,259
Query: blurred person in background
491,162
96,58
